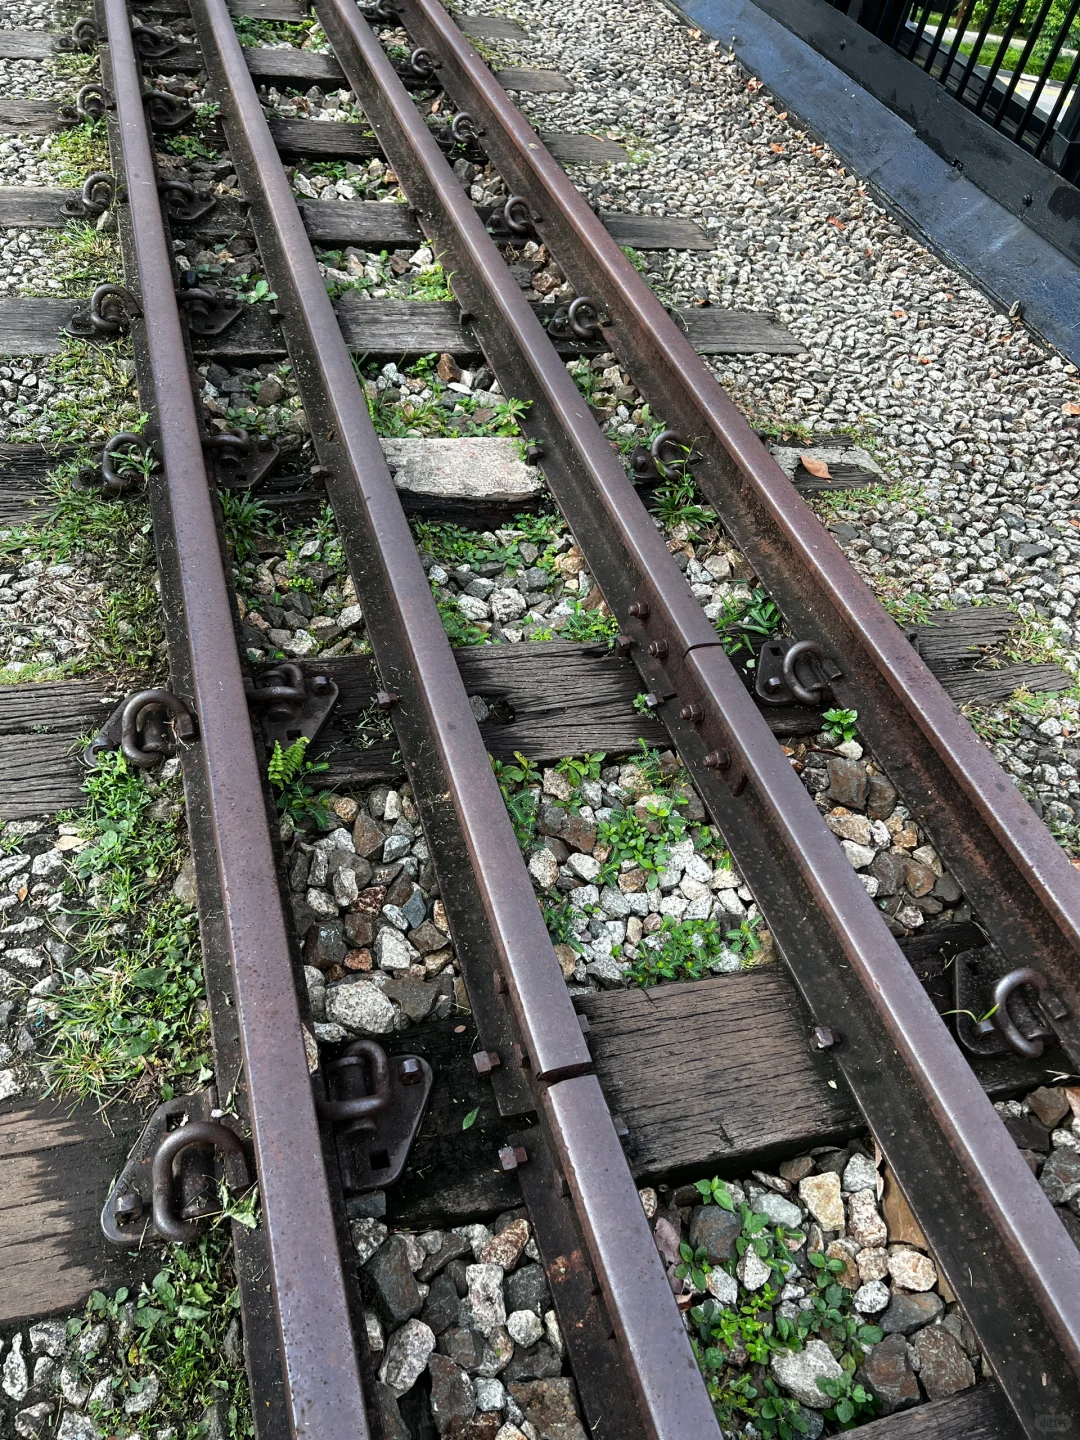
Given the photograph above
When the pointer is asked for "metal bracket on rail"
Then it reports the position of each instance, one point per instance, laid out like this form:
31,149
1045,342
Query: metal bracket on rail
181,202
146,728
110,313
153,42
240,461
97,194
999,1009
170,1184
375,1103
795,672
166,112
669,457
125,461
206,311
91,102
291,705
514,221
83,36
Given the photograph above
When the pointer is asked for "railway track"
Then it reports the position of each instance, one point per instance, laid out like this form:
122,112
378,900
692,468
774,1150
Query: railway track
850,992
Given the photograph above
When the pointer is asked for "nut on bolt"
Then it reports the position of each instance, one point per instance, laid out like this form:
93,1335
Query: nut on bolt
127,1207
717,760
658,649
824,1038
484,1061
692,712
386,700
640,609
511,1156
410,1071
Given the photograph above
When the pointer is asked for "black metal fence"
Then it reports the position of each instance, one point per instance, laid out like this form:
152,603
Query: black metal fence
1015,63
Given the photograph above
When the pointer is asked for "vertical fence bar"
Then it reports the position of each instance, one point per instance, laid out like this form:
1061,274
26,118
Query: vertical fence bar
1047,67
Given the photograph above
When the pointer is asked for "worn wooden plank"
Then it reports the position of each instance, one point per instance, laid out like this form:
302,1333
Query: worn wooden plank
570,149
754,1087
323,140
979,1414
28,44
713,331
39,774
490,27
34,326
24,207
73,707
984,687
534,82
56,1166
952,638
24,471
564,698
296,68
656,232
31,117
288,10
338,223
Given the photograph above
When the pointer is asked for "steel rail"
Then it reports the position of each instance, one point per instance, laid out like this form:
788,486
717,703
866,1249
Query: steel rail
483,880
897,1055
1010,868
318,1349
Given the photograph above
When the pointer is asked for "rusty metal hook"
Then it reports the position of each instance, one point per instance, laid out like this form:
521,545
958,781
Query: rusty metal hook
142,742
87,202
114,482
282,692
90,102
1031,1048
165,112
584,329
517,216
153,41
85,33
813,694
464,128
669,448
112,308
167,1223
423,63
355,1111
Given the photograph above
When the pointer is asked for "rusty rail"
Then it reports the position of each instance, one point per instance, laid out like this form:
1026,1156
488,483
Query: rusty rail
515,984
896,1053
323,1394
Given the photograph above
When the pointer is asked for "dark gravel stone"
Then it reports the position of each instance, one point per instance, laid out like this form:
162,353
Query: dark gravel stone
464,1347
538,1362
367,836
888,870
443,1304
527,1289
415,908
944,1369
393,1426
391,1283
415,997
716,1230
848,784
888,1373
427,938
1028,1132
451,1393
1049,1105
551,1406
342,860
359,929
880,797
324,944
907,1313
1060,1176
453,1248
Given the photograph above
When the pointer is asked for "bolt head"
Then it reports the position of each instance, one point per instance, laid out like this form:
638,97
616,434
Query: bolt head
658,649
128,1206
824,1038
410,1071
484,1061
510,1157
717,760
386,700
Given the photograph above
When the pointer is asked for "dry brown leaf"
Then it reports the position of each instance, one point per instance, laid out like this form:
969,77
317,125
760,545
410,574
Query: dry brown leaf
816,467
777,149
1070,408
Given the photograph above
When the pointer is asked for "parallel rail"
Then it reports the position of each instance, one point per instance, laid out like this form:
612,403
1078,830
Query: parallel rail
1011,1264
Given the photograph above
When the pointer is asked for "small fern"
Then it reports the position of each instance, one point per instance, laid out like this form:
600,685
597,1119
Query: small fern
286,765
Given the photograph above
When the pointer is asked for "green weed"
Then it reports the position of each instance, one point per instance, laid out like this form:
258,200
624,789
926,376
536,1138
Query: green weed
183,1337
137,1020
